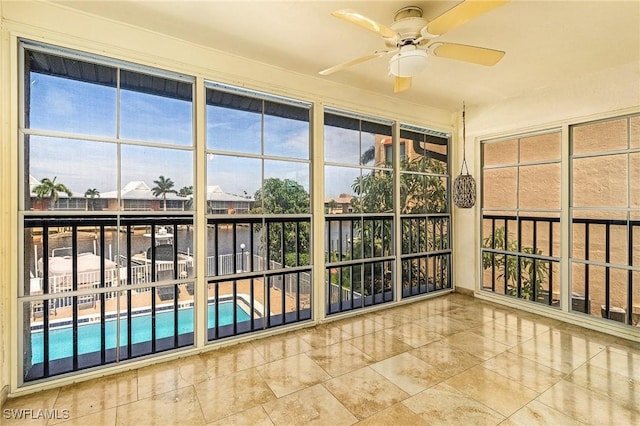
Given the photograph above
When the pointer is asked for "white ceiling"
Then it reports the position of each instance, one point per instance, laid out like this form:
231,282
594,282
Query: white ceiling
548,43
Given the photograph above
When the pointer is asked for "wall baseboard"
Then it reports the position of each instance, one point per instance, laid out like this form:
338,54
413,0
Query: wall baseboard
4,394
465,291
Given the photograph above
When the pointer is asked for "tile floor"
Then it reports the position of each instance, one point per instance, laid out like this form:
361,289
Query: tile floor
451,360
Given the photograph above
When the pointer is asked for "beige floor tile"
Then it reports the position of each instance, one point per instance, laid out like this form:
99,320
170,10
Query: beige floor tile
340,358
495,391
99,394
623,389
231,394
536,413
498,332
447,359
477,313
281,346
524,371
160,378
409,373
255,416
447,303
324,335
559,350
231,359
359,326
311,406
442,325
392,318
474,343
460,299
292,374
31,409
592,336
625,363
413,334
365,392
588,406
536,323
443,405
396,415
176,407
421,310
380,345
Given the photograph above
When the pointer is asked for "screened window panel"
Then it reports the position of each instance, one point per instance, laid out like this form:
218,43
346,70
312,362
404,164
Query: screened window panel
500,188
68,95
634,180
540,186
500,153
56,161
286,130
600,136
234,130
288,184
545,147
600,181
634,132
155,109
341,145
158,179
232,182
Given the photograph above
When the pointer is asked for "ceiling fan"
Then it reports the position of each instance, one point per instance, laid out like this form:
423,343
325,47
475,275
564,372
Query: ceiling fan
411,39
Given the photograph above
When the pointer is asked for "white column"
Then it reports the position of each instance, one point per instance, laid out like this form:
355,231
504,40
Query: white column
317,210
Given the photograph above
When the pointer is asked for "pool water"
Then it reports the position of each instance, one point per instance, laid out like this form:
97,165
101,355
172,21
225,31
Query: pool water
89,336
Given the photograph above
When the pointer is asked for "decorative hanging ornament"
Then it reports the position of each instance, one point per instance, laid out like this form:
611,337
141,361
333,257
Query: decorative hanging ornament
464,186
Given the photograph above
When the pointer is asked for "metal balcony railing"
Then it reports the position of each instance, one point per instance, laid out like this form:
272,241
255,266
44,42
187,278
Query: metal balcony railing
521,259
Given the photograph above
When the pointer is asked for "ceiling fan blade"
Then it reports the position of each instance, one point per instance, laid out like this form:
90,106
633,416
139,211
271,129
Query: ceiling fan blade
364,22
347,64
401,84
462,52
460,14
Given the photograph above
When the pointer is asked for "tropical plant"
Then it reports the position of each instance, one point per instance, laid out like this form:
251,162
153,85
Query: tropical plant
284,196
187,192
163,187
423,190
91,194
49,188
525,276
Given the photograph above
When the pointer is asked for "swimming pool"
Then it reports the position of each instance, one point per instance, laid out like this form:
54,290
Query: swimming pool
89,336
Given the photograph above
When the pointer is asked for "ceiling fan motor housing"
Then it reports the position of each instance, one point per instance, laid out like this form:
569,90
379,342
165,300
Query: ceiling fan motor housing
407,24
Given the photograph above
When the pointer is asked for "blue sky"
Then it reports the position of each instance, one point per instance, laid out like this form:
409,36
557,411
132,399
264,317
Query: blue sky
64,105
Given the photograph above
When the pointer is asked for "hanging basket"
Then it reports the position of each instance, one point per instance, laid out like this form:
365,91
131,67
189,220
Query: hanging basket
464,191
464,186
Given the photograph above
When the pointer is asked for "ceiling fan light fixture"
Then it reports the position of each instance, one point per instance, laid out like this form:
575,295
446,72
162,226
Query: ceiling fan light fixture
408,62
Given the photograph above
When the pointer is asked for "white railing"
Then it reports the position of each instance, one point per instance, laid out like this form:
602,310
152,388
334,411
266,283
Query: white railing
346,294
140,274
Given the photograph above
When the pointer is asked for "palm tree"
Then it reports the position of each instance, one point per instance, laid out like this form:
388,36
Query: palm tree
187,192
91,193
163,187
49,188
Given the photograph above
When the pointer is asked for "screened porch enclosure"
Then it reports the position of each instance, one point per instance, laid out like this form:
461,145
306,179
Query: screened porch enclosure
113,240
